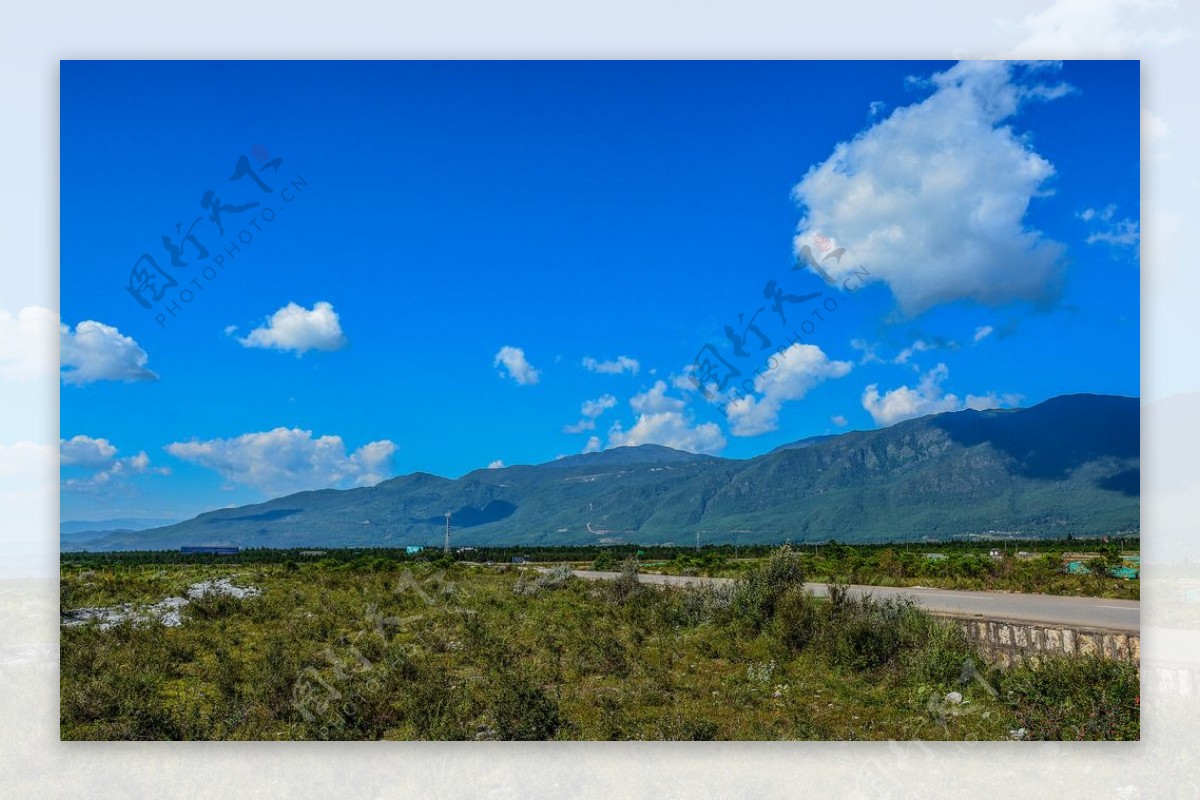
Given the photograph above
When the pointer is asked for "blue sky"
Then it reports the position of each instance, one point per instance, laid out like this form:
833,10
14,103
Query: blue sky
474,262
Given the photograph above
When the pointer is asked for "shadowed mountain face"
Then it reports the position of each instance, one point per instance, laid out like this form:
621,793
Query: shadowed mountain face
1053,438
1067,466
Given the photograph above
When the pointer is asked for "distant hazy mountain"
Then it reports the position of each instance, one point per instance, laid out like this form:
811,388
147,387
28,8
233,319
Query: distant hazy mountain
117,524
1066,466
78,535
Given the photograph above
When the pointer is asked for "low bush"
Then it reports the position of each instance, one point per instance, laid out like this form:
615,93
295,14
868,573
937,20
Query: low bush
756,595
1075,698
627,585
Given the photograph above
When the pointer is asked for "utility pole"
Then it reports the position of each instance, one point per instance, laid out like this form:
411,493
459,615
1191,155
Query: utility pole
446,546
697,542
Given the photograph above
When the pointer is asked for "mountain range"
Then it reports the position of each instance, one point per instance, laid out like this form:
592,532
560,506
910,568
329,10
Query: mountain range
1069,465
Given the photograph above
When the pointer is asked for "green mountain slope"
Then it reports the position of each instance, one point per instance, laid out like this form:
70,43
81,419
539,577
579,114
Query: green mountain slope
1066,466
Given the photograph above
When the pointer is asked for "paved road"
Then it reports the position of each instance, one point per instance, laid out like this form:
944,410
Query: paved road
1100,613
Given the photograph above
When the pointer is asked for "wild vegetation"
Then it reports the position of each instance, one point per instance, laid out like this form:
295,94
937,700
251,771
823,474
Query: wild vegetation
435,649
1042,569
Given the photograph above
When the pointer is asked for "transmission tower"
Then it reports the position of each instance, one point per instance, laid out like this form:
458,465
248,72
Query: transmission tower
446,546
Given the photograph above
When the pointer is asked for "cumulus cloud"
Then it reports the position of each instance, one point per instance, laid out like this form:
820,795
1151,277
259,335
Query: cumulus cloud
295,328
663,420
685,381
27,343
515,365
792,374
496,465
286,460
839,420
591,410
98,352
983,332
928,397
84,451
621,364
593,445
99,456
932,199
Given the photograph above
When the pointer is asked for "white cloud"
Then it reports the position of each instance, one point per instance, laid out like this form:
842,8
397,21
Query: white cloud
1126,233
983,332
905,402
593,444
923,346
655,400
928,397
663,420
27,343
591,410
515,365
992,400
1154,131
98,352
84,451
868,348
1104,214
920,346
27,470
791,375
839,420
1122,233
932,199
685,382
621,364
286,460
1097,29
295,328
27,461
100,456
496,465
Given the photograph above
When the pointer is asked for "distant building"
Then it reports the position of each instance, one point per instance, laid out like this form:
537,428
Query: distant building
519,560
216,550
411,549
312,553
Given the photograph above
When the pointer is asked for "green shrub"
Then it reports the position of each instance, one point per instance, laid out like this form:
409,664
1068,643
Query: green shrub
756,595
626,585
551,579
705,603
524,710
798,618
1075,698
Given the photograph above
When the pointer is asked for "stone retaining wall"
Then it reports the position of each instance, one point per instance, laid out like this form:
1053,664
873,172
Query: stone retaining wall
1008,641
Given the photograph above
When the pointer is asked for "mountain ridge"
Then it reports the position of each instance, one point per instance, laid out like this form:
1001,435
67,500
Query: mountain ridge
1068,465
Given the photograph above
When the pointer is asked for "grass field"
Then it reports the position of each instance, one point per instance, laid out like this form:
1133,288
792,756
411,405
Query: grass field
439,650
